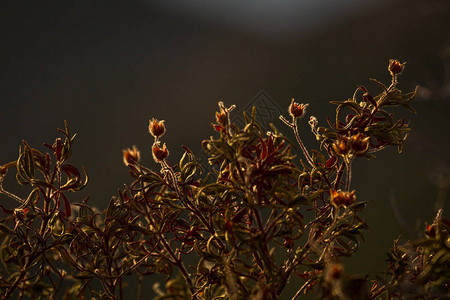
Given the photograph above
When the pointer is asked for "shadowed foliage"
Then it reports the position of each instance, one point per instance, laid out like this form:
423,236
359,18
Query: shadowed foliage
261,216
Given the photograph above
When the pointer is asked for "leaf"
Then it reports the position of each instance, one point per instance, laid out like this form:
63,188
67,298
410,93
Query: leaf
68,211
189,170
299,200
212,188
5,229
30,198
41,183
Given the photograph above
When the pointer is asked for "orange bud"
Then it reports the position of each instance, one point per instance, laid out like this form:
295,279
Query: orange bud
339,198
160,154
359,143
221,117
341,146
131,156
395,67
297,110
156,128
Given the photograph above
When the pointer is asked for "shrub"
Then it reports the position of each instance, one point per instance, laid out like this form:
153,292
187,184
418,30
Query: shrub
238,232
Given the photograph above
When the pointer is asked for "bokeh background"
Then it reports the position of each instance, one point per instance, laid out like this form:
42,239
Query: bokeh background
107,67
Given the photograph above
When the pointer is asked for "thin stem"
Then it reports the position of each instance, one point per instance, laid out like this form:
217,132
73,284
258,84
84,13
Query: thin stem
174,259
294,126
338,176
349,175
305,152
172,176
11,195
297,295
378,292
311,247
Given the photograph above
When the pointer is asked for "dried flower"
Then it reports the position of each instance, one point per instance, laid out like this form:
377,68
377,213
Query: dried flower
340,198
156,128
395,67
159,154
131,156
221,117
341,147
359,144
297,110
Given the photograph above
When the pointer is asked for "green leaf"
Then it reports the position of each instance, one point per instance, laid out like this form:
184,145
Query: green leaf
299,200
5,229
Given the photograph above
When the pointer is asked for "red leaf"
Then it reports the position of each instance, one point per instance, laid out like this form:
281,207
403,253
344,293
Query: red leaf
331,162
66,206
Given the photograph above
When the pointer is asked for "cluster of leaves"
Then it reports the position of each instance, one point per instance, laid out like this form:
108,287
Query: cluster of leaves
420,268
237,233
36,233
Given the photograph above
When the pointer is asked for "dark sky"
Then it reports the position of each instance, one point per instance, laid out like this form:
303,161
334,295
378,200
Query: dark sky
109,66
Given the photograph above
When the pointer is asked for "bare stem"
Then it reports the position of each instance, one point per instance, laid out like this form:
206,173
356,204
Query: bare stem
294,126
337,181
297,295
349,175
305,152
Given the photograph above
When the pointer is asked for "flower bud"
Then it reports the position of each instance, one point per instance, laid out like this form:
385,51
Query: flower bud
159,154
156,128
340,198
341,146
297,110
221,117
395,67
131,156
359,143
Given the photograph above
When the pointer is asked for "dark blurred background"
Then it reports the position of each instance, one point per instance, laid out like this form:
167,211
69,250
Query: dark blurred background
107,67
